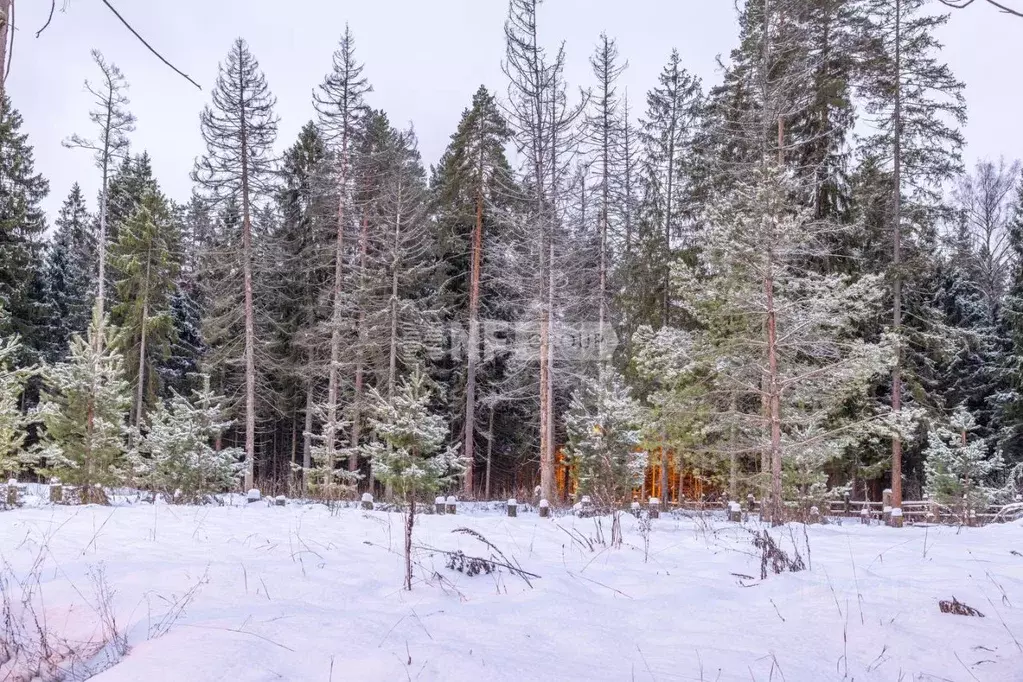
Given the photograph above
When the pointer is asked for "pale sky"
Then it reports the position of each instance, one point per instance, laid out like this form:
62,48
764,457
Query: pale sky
424,59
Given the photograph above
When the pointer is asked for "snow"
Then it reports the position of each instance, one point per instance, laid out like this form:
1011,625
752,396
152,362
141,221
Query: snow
296,592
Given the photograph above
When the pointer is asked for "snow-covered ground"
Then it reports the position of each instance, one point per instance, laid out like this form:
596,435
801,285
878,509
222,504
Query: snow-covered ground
298,593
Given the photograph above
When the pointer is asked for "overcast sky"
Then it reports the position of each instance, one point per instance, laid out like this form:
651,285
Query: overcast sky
424,59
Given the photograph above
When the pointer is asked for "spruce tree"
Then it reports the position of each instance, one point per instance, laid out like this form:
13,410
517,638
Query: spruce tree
341,107
176,455
13,422
22,226
84,407
409,455
145,258
239,129
70,275
959,467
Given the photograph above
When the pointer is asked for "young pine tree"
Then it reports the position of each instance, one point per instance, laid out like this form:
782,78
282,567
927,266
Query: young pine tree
604,425
239,129
410,456
84,407
176,455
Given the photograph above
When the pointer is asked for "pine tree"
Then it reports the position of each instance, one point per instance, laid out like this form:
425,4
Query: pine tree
470,188
959,465
410,456
239,129
84,407
22,226
175,454
1011,411
70,275
114,123
145,258
604,426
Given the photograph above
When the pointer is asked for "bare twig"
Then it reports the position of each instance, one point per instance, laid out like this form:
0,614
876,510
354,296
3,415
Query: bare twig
963,4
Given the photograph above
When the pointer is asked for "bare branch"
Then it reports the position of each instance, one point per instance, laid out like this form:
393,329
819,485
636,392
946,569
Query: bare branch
150,47
53,6
963,4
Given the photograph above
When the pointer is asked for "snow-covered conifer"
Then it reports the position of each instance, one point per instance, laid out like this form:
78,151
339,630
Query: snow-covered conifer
959,465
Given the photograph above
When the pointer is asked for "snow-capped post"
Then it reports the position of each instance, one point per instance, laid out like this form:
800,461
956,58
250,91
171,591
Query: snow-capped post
252,496
886,505
971,518
452,505
438,504
934,512
895,518
585,507
367,502
545,509
815,514
865,516
635,508
280,501
734,512
56,491
513,508
13,493
751,503
848,503
654,506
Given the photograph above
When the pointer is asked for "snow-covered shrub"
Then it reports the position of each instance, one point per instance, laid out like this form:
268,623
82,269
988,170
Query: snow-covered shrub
84,407
176,454
326,480
959,466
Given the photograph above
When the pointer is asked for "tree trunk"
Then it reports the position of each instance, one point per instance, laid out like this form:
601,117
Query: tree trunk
353,458
141,392
250,331
474,343
490,452
410,519
307,435
5,20
329,432
392,360
897,262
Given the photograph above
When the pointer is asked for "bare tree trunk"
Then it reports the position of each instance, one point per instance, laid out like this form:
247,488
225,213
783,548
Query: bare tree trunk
353,458
329,432
474,341
897,261
392,361
250,330
307,435
141,392
547,481
490,452
5,20
410,520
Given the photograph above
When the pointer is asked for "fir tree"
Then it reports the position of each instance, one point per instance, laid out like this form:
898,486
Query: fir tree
84,407
22,226
410,456
70,276
239,130
145,258
176,454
